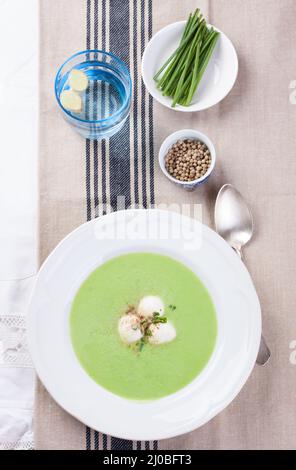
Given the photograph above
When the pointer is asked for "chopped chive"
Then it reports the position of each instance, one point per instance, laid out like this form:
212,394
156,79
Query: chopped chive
182,72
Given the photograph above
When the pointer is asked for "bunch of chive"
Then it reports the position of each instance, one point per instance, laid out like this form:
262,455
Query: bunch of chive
181,74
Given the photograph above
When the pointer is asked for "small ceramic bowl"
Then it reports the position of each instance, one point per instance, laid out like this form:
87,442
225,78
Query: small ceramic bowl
183,135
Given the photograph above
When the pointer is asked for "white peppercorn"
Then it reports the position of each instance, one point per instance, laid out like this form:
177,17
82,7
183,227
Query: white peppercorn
188,160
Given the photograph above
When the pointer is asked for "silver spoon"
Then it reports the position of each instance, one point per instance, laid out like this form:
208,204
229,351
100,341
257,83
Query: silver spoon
234,223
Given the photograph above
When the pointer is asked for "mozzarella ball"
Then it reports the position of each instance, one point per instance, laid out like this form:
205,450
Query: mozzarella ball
149,305
162,333
129,328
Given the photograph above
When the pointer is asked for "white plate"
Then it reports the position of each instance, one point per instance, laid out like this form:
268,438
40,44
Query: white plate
218,80
232,291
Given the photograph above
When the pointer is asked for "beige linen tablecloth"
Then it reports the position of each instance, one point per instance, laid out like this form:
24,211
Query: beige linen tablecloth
254,132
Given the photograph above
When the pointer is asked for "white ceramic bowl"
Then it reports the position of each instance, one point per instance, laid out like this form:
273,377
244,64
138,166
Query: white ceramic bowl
217,81
218,267
182,135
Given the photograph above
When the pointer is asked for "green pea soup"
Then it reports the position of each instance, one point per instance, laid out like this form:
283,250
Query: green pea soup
155,371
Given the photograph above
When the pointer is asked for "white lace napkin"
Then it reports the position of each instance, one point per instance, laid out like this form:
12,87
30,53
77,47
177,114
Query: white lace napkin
19,40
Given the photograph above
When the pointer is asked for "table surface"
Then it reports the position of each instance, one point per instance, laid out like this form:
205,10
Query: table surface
253,130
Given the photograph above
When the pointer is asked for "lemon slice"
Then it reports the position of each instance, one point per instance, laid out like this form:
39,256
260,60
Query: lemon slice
78,80
71,101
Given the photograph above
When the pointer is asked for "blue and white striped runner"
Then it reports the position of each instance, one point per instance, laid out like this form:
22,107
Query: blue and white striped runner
124,165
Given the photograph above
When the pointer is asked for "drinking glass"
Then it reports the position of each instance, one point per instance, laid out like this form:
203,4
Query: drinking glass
107,99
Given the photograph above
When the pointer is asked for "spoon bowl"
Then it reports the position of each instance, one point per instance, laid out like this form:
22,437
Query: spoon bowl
234,221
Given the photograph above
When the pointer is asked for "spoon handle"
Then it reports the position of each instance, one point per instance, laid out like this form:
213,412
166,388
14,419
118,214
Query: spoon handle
238,252
264,351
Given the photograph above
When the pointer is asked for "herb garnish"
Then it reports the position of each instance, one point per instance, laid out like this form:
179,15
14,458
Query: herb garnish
141,344
172,307
145,327
158,319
